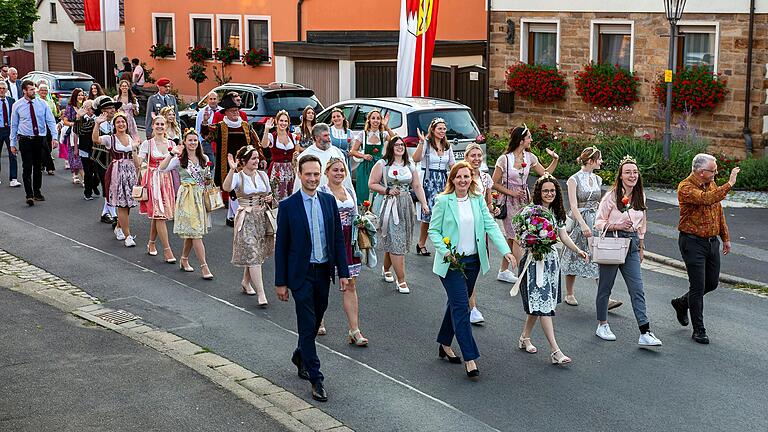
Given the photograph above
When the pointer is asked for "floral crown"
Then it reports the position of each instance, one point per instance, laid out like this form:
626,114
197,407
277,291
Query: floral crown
188,131
628,159
547,176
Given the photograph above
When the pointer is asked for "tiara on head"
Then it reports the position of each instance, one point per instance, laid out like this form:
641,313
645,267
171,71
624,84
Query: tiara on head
435,121
628,159
547,176
332,161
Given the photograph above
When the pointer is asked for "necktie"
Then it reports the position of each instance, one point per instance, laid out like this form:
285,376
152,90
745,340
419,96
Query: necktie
5,113
32,115
317,247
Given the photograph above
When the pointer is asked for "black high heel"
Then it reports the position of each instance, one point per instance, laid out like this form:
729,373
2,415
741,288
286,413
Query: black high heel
474,373
451,359
422,250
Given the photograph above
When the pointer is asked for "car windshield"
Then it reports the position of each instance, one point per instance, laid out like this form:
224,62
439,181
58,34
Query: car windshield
71,84
460,123
292,101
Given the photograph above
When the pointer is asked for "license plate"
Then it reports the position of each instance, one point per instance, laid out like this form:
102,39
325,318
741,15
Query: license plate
458,155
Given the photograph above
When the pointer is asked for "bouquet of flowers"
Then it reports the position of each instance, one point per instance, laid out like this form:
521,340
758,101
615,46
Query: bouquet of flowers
454,258
536,230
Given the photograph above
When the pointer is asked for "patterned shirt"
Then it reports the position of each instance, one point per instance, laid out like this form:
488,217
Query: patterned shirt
700,211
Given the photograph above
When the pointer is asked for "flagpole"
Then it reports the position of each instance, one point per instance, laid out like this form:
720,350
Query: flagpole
104,32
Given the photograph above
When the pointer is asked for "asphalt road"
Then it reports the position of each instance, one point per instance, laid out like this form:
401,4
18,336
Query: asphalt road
398,383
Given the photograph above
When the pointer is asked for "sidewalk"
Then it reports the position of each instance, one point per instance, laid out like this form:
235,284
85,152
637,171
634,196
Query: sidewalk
62,373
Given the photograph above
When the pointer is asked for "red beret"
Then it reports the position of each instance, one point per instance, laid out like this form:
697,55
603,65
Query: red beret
163,82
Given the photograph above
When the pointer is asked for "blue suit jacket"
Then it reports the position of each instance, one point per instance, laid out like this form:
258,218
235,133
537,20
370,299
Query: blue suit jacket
11,101
293,244
18,88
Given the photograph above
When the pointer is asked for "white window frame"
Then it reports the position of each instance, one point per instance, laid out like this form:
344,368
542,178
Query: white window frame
239,19
209,17
715,25
172,16
524,32
268,19
593,38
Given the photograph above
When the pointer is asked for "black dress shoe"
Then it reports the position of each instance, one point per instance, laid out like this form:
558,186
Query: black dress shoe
318,392
681,310
474,373
96,191
301,371
39,198
451,359
700,336
30,202
105,218
230,222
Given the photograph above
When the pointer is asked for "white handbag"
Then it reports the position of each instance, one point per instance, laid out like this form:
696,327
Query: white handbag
608,250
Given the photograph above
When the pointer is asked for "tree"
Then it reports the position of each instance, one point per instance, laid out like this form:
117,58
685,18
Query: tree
17,17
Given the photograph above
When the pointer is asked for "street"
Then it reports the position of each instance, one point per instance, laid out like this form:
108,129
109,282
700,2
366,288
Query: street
398,383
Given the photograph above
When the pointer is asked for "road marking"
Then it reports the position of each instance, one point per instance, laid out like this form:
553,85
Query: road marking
232,305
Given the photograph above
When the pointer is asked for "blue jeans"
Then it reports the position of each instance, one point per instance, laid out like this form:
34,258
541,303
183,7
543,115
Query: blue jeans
633,277
456,318
5,141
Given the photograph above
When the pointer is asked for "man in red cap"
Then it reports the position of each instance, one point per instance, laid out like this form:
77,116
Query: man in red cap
157,101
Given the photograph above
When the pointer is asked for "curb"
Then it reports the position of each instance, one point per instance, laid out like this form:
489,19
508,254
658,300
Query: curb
725,278
274,401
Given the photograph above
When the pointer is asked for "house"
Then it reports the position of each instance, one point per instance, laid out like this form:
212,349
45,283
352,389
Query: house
21,56
569,34
319,44
61,30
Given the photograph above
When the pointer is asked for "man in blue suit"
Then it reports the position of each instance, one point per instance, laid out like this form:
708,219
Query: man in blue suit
311,244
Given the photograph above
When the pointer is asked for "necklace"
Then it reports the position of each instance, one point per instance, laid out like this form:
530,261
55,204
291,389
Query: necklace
462,199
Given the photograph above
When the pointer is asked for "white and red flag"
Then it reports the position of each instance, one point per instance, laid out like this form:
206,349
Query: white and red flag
418,27
102,15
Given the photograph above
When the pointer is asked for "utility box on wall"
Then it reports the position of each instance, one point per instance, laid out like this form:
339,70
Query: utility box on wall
506,101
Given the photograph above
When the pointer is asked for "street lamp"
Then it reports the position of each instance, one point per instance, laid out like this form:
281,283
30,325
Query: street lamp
674,11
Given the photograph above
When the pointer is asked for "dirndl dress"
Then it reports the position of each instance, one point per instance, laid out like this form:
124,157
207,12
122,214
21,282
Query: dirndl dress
347,213
191,221
588,200
119,180
250,243
161,195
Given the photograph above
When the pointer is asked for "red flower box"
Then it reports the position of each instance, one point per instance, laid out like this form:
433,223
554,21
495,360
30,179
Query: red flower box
694,89
537,83
606,85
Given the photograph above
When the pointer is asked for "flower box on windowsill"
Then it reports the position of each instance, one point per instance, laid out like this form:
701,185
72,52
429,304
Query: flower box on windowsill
162,51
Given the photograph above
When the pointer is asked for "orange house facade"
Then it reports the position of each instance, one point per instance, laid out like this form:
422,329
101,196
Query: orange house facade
265,24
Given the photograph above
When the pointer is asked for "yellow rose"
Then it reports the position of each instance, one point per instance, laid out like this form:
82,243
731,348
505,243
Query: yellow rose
447,240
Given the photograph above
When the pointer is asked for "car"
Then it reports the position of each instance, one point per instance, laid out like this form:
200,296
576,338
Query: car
61,84
411,113
261,102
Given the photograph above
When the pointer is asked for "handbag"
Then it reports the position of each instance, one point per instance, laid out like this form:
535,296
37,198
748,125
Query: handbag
363,239
212,198
608,250
139,192
271,225
503,208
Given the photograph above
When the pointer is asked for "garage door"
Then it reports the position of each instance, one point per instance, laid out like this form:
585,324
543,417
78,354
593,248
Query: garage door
322,76
60,56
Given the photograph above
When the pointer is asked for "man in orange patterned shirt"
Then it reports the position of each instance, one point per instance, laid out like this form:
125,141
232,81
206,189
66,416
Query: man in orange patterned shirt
701,222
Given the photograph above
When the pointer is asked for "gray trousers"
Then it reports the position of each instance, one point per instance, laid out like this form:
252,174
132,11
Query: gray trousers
633,277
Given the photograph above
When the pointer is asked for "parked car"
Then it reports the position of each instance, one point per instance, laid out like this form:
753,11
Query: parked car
61,84
408,114
261,102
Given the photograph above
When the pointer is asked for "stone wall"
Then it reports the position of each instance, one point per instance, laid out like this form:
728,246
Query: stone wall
722,128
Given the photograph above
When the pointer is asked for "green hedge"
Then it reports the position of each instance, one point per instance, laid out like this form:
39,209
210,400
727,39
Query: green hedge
649,154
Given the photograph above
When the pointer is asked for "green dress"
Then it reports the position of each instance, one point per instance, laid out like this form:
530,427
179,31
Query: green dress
364,168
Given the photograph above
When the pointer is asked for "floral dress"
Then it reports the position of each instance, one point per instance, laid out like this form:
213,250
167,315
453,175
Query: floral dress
250,243
396,213
70,143
375,149
347,213
120,176
161,194
190,221
588,192
515,179
280,171
128,110
434,169
540,290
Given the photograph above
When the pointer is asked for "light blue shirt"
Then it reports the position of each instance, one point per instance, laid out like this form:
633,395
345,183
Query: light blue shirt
5,101
308,210
21,121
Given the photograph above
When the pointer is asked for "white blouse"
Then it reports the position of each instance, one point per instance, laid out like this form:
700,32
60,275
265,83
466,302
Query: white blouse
483,182
467,241
106,141
396,172
339,133
279,144
260,186
156,153
437,162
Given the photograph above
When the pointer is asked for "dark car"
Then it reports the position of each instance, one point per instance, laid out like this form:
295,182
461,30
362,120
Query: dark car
261,102
61,84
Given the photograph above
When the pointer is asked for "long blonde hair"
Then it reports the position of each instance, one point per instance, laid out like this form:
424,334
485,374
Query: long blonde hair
449,186
172,125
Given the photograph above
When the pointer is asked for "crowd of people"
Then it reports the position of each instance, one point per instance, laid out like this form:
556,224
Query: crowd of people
299,205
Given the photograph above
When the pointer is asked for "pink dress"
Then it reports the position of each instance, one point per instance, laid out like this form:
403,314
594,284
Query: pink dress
515,179
161,197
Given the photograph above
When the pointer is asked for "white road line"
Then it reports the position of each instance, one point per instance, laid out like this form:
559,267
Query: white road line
241,309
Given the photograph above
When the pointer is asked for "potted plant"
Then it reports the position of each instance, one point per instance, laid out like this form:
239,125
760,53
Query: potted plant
606,85
199,54
538,83
228,54
254,57
161,51
694,89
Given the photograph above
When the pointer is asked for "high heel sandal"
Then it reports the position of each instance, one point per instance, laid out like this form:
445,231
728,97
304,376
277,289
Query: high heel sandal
402,287
245,289
388,277
172,259
208,275
321,330
561,359
355,337
525,344
474,373
422,250
186,268
451,359
151,243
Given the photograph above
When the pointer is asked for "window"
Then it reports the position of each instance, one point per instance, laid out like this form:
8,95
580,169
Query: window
258,34
395,118
612,43
540,42
698,47
163,32
229,33
202,31
360,116
53,13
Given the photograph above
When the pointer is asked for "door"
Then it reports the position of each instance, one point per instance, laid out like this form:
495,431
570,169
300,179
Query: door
320,75
60,56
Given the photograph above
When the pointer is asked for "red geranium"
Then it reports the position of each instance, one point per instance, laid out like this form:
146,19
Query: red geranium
694,89
375,150
394,172
538,83
209,163
606,85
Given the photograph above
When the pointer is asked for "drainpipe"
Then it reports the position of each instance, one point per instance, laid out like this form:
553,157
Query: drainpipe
298,21
487,59
748,87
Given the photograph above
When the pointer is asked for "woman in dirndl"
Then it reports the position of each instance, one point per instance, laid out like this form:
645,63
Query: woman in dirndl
282,146
368,149
303,132
161,195
120,177
251,243
69,149
191,221
436,157
341,134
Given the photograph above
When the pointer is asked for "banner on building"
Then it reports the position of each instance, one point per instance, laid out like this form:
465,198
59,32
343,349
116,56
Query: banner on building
418,27
102,15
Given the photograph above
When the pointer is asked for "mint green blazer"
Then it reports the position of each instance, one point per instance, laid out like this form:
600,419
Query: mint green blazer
445,223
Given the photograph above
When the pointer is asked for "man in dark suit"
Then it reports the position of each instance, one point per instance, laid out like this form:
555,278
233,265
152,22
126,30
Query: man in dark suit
157,101
14,84
6,103
309,218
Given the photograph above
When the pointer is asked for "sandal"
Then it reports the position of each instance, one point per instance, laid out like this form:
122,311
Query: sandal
207,275
355,337
388,277
150,246
571,300
321,330
559,359
172,259
402,288
187,267
525,344
422,250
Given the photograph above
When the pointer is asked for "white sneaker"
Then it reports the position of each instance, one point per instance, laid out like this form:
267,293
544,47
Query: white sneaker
14,183
129,241
119,234
648,339
604,332
507,276
475,317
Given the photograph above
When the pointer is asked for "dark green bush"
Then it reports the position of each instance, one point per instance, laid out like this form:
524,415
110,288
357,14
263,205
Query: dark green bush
753,175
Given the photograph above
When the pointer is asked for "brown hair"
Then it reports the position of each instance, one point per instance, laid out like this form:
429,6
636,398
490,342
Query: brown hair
557,205
451,188
245,153
368,122
638,195
280,114
389,152
516,138
184,156
306,131
73,99
345,123
589,154
308,158
431,135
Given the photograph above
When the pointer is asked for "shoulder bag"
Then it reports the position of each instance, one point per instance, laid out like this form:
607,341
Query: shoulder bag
609,250
138,192
271,210
503,208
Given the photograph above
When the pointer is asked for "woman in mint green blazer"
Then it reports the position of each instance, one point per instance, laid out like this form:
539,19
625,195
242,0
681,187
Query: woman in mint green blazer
458,228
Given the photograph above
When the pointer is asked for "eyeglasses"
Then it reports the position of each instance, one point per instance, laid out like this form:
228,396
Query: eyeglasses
548,191
714,171
398,145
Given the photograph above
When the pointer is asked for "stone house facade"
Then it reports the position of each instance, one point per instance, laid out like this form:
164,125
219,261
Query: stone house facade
630,33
